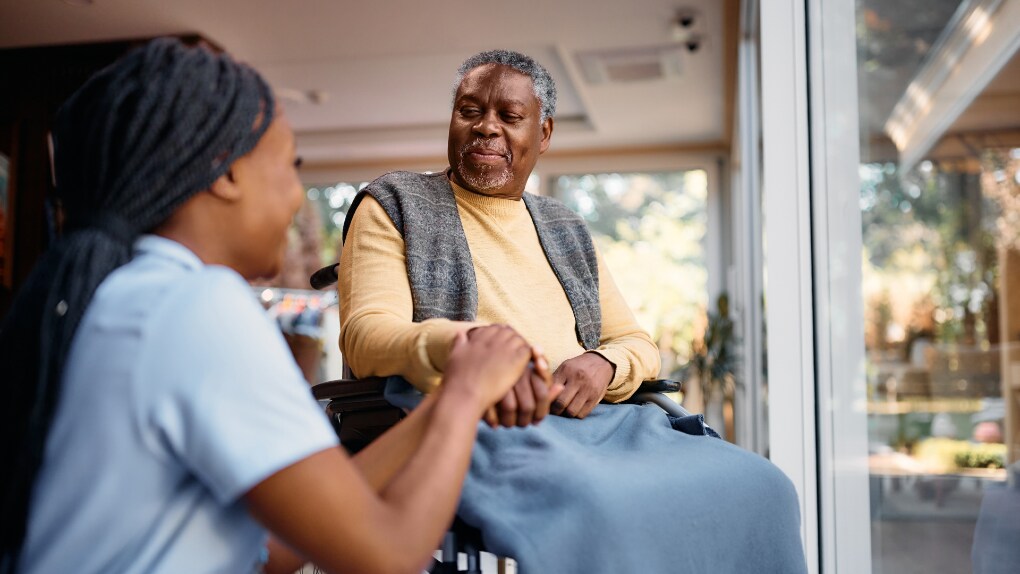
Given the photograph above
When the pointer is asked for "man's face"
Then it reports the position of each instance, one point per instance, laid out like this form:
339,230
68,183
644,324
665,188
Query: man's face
495,132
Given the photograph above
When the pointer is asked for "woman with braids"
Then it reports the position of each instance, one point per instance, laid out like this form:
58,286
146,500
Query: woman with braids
153,420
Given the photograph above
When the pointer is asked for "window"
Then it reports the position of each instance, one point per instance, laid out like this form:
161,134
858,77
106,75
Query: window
939,233
651,228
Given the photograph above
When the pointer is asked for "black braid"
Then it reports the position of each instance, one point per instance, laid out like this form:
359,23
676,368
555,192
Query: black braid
132,145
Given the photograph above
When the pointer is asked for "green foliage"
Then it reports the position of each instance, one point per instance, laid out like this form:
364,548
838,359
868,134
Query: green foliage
979,459
937,226
333,202
948,454
714,354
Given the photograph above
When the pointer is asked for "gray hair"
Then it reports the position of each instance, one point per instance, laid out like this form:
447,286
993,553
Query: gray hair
542,82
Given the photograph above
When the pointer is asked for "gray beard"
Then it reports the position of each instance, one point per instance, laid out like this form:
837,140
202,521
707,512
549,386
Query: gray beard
490,178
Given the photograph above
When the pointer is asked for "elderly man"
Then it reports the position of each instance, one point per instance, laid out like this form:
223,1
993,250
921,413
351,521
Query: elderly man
427,256
412,238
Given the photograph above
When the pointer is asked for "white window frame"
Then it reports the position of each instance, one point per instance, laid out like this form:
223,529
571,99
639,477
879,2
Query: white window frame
839,304
746,276
817,406
787,231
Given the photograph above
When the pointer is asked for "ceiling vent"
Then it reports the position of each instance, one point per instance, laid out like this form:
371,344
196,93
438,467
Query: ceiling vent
632,64
296,96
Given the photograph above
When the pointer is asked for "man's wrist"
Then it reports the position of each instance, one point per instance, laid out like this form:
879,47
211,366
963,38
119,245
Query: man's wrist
611,370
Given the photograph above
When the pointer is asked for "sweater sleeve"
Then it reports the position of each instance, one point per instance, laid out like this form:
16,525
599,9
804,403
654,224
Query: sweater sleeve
377,335
623,343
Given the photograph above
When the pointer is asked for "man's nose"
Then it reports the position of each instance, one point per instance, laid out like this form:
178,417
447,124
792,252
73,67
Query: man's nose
487,125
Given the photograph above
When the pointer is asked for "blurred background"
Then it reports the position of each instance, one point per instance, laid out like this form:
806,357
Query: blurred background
664,108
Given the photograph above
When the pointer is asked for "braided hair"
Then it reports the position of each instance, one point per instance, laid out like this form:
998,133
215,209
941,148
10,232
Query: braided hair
130,147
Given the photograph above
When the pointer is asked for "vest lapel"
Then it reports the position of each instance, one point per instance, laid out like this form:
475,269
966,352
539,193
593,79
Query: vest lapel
439,264
571,254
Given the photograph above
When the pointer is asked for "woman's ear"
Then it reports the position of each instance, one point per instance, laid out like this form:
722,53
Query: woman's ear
226,188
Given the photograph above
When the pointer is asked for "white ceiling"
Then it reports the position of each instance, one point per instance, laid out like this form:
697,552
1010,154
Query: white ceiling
387,67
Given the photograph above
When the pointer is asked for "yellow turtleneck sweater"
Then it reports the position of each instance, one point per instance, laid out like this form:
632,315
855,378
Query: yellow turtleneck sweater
516,286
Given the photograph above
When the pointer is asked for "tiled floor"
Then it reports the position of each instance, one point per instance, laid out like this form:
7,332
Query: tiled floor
921,547
913,533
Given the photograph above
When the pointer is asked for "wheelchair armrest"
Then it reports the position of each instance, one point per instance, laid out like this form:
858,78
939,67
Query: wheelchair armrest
660,386
357,409
651,391
348,388
665,403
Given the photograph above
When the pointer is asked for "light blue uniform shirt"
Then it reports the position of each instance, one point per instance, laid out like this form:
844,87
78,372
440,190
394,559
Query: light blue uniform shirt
179,396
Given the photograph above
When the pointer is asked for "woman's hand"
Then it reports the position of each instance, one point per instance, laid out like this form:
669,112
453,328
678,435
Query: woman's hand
486,363
531,397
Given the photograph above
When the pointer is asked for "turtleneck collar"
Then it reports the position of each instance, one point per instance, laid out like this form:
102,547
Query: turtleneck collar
493,206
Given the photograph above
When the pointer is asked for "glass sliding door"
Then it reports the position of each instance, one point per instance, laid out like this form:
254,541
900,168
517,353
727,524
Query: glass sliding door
939,92
891,136
915,282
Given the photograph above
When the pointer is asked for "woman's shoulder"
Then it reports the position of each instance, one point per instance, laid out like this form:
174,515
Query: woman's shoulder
214,296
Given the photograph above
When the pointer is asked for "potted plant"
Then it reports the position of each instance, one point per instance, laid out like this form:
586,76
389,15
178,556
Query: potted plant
713,363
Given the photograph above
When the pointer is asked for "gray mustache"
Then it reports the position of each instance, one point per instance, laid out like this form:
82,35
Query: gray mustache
481,145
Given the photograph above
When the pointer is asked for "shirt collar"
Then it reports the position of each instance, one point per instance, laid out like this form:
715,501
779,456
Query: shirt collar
167,249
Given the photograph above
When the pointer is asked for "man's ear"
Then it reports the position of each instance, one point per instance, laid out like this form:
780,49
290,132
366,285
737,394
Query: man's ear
226,188
547,129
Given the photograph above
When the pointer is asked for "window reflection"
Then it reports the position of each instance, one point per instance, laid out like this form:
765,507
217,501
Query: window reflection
940,206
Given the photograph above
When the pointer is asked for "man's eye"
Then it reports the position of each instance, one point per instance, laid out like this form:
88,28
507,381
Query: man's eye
298,161
469,111
511,118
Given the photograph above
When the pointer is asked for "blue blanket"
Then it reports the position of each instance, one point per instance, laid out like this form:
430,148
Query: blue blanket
622,491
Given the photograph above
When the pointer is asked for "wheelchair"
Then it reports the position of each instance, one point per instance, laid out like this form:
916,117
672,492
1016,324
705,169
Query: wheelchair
359,413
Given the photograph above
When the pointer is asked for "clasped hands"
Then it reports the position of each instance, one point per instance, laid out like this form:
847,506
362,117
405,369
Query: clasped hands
572,390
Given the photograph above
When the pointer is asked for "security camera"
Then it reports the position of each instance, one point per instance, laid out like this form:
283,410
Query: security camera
684,25
686,18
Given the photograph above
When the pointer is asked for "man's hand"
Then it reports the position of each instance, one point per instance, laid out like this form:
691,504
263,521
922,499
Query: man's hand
486,363
585,379
530,399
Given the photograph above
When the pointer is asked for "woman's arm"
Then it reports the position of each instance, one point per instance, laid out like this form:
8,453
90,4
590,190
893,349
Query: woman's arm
327,510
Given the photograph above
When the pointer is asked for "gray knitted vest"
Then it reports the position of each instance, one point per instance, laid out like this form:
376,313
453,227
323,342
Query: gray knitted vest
439,265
